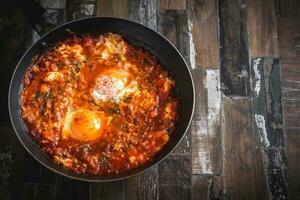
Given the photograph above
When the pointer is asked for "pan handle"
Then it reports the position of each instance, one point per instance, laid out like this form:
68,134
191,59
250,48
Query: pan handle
35,15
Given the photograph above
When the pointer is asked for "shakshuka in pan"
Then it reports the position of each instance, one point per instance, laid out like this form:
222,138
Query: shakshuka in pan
97,104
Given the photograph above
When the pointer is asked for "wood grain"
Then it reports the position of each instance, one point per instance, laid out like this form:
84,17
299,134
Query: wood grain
293,153
288,8
262,28
107,191
204,34
115,8
289,40
175,178
172,4
205,127
207,187
291,112
234,48
72,189
173,25
276,172
244,176
11,165
145,186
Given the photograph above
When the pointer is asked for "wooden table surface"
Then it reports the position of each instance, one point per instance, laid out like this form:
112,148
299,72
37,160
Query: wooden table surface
244,140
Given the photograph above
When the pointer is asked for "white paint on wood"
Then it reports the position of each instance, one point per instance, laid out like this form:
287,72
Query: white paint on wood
192,45
261,125
243,74
35,36
257,76
87,9
147,13
213,99
204,127
201,163
151,13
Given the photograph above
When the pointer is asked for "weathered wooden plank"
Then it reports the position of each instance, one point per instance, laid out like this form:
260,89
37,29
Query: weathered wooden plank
185,146
262,28
144,186
107,191
172,4
116,8
234,48
275,164
205,128
288,8
291,109
39,174
143,11
173,25
268,121
204,34
175,178
293,153
54,4
6,163
289,40
244,176
267,108
14,38
39,181
207,187
72,189
11,165
37,192
290,70
80,9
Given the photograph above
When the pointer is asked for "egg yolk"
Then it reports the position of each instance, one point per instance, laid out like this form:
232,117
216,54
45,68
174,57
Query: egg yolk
119,74
87,125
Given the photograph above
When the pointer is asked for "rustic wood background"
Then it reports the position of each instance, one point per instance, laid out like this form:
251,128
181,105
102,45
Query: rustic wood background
244,140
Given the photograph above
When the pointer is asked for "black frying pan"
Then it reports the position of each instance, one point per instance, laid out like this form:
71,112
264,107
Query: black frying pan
133,32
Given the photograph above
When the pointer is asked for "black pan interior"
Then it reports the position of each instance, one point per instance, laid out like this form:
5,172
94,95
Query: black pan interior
135,33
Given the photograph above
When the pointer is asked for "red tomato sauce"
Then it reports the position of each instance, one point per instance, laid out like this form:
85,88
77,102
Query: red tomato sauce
98,104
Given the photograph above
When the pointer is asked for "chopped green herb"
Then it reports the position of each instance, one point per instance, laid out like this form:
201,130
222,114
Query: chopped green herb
112,111
50,95
145,61
103,159
38,95
123,127
76,68
42,109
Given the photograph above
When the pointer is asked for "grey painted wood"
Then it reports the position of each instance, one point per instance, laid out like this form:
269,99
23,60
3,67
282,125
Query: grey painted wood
268,122
234,48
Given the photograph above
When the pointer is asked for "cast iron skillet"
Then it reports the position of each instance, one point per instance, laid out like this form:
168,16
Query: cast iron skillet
133,32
